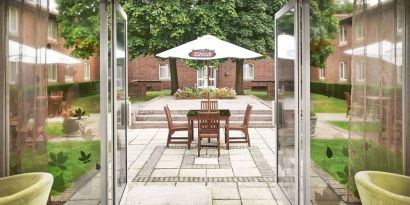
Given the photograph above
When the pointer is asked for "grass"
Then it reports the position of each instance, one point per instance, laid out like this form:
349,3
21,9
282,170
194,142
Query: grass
358,126
90,104
55,128
324,104
37,160
150,95
364,155
338,161
262,94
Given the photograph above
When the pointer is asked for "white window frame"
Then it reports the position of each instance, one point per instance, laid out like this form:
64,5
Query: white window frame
359,30
68,78
360,71
204,74
52,76
342,71
322,73
161,75
342,35
87,71
52,30
246,71
13,72
13,11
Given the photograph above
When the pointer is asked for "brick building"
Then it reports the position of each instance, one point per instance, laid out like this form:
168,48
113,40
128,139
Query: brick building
150,68
338,65
23,18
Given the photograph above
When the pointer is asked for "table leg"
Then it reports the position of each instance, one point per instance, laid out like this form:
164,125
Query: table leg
192,129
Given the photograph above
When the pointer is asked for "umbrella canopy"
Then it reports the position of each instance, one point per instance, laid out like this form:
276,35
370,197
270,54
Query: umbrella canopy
26,54
208,47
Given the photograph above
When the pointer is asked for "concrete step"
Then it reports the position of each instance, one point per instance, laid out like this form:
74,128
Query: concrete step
162,117
163,124
184,112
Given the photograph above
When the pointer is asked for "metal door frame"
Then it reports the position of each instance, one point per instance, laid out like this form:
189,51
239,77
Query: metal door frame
116,7
302,100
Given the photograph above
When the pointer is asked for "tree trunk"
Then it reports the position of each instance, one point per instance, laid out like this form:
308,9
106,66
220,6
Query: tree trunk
239,77
174,75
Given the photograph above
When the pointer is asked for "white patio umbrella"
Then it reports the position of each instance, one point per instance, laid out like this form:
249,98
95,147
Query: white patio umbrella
207,48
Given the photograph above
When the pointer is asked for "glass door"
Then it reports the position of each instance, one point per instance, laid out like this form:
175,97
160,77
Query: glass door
120,101
202,76
292,70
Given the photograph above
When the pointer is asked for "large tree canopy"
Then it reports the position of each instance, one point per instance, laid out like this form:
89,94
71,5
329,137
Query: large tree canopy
324,27
79,25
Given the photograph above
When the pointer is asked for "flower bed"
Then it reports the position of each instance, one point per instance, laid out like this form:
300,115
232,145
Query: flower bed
201,93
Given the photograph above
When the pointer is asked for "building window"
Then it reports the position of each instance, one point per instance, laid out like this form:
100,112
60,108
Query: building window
13,72
248,71
52,73
68,77
342,35
359,30
202,77
13,21
87,71
164,72
342,71
321,73
360,70
52,30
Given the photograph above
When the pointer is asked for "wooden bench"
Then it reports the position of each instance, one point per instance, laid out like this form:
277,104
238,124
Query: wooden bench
140,87
269,85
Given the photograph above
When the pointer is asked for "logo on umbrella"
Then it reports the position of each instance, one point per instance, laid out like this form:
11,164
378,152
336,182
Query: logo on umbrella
202,53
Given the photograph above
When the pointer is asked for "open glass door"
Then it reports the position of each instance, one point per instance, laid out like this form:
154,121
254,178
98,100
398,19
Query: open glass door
120,101
292,70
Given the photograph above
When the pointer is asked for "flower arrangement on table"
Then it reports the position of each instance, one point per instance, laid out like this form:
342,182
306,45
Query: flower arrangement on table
199,93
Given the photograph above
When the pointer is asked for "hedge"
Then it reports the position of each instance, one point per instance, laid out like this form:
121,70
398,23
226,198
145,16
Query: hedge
330,89
83,89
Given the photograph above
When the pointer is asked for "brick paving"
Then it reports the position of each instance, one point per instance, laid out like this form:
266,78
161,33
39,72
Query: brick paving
241,175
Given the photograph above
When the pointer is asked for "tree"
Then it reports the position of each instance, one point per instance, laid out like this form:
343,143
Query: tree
323,29
155,26
344,7
79,25
252,28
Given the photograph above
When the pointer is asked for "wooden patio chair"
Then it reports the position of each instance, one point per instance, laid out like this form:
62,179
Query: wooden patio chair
208,127
172,128
243,128
213,104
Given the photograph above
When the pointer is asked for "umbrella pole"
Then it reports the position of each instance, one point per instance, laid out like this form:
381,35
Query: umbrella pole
209,73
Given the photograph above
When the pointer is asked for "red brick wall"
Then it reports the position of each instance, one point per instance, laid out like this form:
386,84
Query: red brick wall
332,69
147,68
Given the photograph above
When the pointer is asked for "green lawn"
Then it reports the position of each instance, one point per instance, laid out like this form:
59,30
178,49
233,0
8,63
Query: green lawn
358,126
334,165
364,155
150,95
262,94
324,104
55,128
37,160
90,104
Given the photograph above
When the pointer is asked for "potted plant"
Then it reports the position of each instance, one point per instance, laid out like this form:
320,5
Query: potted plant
74,122
313,120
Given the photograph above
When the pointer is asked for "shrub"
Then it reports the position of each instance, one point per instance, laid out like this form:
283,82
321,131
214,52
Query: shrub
84,89
330,89
195,92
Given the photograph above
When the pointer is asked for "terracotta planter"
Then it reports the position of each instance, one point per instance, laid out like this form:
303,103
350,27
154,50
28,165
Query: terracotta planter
74,127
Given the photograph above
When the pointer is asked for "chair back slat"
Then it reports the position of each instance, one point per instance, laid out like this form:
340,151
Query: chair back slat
208,122
213,105
247,115
169,117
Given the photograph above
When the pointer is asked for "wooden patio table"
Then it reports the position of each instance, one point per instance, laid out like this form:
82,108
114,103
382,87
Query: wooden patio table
192,116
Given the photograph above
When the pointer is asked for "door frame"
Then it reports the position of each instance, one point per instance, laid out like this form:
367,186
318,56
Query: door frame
302,100
117,8
215,73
